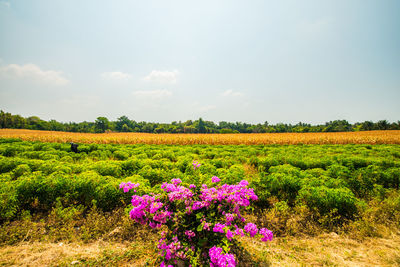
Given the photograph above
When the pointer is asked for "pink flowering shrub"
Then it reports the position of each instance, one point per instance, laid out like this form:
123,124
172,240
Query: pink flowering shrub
200,222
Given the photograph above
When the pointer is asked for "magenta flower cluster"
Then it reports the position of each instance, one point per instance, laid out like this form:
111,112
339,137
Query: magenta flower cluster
215,179
149,210
195,164
267,234
217,258
200,220
170,250
128,186
251,228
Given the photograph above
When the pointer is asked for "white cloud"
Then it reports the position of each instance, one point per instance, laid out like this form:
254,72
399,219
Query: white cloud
33,72
232,93
5,3
116,76
207,108
162,76
153,94
79,100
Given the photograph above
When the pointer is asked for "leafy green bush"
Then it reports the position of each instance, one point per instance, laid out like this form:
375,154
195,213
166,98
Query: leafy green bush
326,199
21,170
9,201
107,168
121,155
283,186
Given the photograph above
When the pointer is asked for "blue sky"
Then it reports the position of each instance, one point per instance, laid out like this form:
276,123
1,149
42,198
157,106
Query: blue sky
163,61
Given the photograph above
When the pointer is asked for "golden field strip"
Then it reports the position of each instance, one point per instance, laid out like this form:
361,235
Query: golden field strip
364,137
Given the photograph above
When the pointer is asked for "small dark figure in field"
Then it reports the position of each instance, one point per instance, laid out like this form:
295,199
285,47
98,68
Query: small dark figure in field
74,147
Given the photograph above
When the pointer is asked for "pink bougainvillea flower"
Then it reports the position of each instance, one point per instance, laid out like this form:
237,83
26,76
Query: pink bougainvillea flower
215,179
251,228
267,234
196,165
176,181
128,186
219,228
221,260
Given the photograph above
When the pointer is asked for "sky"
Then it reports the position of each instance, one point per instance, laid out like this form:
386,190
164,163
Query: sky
221,60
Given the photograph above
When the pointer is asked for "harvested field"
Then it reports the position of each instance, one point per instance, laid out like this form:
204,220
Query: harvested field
363,137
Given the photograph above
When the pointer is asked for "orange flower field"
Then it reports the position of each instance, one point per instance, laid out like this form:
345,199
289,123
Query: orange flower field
363,137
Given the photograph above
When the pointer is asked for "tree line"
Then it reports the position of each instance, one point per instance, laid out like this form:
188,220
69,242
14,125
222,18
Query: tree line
124,124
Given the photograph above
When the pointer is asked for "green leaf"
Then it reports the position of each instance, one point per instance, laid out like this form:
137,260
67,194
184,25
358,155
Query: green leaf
200,228
199,215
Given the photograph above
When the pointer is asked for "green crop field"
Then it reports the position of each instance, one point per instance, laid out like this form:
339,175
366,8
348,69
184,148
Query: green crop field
324,178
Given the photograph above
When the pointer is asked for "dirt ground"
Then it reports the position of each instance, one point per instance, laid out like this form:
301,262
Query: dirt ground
325,250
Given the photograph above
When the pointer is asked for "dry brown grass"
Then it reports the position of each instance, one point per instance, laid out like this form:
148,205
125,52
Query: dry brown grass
323,250
60,254
364,137
328,250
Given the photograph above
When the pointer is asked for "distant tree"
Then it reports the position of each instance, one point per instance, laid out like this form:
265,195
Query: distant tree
124,124
5,119
73,127
395,126
35,123
86,127
189,129
382,125
101,124
367,126
56,126
121,121
160,129
200,126
19,122
337,126
281,128
148,128
176,128
228,131
125,128
188,123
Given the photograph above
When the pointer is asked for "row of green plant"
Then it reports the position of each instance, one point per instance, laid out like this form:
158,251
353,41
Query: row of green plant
328,180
